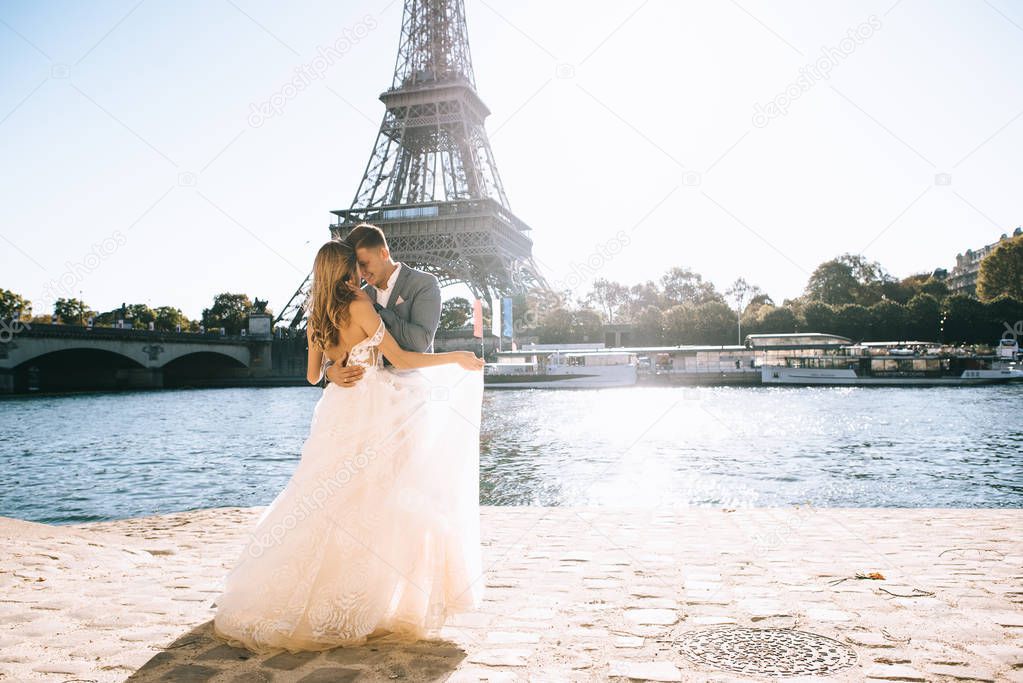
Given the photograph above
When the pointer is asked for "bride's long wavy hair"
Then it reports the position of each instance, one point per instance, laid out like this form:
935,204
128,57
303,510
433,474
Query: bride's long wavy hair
327,306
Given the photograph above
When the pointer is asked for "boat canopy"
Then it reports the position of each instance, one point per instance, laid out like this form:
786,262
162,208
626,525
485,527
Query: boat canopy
792,340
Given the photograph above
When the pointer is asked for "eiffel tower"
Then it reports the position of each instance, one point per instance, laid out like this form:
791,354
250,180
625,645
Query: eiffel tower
431,183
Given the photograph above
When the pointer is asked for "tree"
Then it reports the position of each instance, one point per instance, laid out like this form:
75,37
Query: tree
848,279
1001,315
683,286
853,321
715,323
566,326
961,316
168,318
819,317
918,283
712,322
759,300
1001,271
639,298
870,276
229,311
141,315
832,282
454,313
608,297
923,318
70,311
107,318
888,321
680,325
740,292
650,326
936,287
587,326
776,320
11,302
556,327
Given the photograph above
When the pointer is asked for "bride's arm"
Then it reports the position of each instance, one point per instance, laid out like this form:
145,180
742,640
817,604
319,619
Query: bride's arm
402,359
314,367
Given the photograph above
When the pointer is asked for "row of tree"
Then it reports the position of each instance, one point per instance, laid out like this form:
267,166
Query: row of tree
954,319
229,311
848,295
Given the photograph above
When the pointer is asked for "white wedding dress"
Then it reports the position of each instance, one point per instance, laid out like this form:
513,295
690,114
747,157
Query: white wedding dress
378,527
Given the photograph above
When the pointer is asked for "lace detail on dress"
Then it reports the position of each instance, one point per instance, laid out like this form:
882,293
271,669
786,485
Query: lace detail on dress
367,352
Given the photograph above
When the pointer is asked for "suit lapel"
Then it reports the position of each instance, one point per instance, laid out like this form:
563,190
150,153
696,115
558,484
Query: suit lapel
399,284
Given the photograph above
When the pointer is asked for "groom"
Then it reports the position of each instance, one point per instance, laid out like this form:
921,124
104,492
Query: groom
407,299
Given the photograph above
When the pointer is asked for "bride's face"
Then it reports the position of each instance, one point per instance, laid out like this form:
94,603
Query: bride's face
354,282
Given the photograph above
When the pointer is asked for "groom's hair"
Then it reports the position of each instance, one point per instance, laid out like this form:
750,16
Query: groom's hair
366,235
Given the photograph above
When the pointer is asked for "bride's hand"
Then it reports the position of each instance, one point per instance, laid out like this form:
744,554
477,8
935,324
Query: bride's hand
469,360
360,293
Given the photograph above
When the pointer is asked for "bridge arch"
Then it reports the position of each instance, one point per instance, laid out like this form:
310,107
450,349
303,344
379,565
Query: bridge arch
202,368
79,369
173,353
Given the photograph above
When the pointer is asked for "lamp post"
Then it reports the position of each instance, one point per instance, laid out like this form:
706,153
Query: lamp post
738,322
739,289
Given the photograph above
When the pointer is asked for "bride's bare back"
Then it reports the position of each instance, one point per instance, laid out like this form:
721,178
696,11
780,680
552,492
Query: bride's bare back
349,337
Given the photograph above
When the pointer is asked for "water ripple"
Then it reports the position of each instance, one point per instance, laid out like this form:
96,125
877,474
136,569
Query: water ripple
106,456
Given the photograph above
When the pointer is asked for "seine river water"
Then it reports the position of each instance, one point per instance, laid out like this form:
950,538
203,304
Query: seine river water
86,457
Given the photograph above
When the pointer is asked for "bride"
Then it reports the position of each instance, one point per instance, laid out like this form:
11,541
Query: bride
378,528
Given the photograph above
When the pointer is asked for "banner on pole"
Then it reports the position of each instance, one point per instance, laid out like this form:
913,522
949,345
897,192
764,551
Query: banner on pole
495,316
506,313
477,318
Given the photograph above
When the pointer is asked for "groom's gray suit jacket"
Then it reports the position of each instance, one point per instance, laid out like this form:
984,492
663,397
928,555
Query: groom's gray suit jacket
413,322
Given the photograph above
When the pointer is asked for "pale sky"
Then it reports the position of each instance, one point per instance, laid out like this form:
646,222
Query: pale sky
128,148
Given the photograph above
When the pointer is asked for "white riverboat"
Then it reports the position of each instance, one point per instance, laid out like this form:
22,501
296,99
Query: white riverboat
562,370
896,364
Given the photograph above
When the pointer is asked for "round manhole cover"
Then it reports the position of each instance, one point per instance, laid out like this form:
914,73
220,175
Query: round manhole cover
766,651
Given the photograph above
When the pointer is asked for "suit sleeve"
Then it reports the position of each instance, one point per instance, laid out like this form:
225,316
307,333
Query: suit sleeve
418,332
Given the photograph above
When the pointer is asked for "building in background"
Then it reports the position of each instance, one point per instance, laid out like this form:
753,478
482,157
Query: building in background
963,278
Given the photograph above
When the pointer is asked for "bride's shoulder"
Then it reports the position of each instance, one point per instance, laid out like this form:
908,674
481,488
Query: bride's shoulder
363,313
361,305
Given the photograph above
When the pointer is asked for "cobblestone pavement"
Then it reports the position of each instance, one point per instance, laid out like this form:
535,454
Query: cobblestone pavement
572,594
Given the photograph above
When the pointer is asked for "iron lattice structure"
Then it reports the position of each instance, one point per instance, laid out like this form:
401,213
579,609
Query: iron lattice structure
431,182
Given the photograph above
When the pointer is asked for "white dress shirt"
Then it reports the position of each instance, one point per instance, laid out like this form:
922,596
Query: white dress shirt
383,295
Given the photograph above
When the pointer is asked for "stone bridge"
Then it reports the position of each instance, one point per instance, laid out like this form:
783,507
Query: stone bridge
40,357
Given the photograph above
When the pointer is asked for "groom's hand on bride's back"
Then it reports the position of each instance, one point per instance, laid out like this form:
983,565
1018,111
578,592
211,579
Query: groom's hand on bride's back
345,376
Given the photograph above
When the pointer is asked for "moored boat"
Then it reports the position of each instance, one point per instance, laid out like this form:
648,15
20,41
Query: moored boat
564,370
895,364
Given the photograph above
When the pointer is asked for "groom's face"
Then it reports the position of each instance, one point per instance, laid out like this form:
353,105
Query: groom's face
373,264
